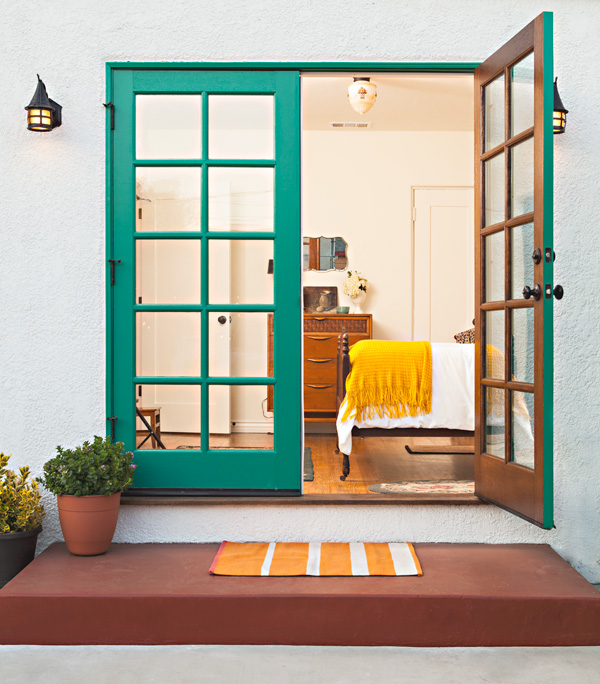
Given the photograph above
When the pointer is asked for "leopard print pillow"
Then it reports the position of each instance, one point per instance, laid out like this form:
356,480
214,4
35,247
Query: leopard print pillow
466,337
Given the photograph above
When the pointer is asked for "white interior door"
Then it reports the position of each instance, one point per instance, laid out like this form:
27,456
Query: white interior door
443,258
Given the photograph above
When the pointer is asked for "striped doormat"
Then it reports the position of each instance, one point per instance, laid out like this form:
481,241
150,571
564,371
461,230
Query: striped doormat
315,559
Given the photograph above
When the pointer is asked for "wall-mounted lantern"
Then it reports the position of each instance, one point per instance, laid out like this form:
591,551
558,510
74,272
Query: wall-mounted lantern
362,94
559,118
43,114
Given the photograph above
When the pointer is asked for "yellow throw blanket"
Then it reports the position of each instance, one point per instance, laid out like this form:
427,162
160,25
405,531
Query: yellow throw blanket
389,379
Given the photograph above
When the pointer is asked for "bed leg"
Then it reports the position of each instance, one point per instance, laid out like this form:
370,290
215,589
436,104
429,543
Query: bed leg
345,467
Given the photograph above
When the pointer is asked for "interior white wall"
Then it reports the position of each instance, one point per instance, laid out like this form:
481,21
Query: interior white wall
357,185
52,201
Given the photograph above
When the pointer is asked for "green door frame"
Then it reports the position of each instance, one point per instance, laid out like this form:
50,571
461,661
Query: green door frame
286,475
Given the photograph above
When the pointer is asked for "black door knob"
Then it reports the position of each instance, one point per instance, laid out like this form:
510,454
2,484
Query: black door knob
222,320
537,255
528,292
559,292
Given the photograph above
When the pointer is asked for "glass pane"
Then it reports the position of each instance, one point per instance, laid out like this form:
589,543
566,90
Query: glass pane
168,343
167,199
494,421
240,127
521,178
521,95
250,427
494,190
168,272
240,199
521,263
493,102
522,367
494,267
494,340
238,345
173,412
168,126
305,254
238,271
522,429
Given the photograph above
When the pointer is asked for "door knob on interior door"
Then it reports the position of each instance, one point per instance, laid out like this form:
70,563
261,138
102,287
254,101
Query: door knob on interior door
222,320
535,292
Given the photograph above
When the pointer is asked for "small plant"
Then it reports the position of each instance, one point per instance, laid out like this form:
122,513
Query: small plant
21,508
354,284
101,467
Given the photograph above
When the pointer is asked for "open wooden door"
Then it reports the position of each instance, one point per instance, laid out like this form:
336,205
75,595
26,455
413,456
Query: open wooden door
514,271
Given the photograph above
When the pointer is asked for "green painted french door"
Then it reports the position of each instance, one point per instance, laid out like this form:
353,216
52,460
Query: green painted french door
205,278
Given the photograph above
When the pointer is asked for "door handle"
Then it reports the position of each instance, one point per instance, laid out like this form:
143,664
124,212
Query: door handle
536,292
222,320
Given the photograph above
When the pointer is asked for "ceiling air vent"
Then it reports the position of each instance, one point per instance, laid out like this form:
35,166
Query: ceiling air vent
351,124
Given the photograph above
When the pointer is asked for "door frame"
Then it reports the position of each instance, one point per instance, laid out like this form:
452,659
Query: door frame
112,118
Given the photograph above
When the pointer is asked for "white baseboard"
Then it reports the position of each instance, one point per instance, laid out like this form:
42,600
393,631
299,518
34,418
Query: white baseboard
257,426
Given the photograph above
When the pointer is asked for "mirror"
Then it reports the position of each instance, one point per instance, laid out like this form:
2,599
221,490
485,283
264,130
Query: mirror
324,254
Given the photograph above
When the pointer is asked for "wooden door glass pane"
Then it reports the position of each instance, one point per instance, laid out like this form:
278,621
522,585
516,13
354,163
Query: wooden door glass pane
168,343
521,95
176,409
241,127
521,263
494,190
167,272
248,262
523,349
493,246
493,121
522,428
240,199
167,198
494,345
168,126
494,436
256,431
245,335
521,178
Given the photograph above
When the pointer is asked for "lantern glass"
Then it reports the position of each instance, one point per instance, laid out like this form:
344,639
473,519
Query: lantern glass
559,122
39,119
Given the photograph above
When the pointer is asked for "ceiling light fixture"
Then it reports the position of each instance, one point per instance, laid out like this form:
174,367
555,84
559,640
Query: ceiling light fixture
362,94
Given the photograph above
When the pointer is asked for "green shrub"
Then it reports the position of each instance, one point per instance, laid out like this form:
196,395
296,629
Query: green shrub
21,508
101,467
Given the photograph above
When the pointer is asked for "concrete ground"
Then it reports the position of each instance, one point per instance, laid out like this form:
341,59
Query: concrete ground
296,665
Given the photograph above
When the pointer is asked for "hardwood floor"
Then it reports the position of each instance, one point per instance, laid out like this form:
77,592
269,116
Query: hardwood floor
384,459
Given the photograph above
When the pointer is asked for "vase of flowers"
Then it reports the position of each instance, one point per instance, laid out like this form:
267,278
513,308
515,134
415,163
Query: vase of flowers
88,481
21,515
355,286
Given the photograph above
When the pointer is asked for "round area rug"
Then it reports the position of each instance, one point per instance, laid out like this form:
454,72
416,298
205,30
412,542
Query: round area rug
425,487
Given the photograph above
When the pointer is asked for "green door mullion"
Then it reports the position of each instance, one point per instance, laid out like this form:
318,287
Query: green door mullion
197,235
198,380
258,163
232,308
204,287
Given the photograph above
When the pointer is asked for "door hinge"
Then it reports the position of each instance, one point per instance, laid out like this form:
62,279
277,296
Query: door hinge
112,420
113,263
110,105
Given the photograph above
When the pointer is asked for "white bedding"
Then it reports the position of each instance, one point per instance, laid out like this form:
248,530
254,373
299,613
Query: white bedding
452,403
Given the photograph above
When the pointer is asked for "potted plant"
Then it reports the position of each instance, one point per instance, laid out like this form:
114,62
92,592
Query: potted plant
355,286
88,481
21,515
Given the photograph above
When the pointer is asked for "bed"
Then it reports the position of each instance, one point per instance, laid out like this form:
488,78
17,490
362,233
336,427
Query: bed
452,405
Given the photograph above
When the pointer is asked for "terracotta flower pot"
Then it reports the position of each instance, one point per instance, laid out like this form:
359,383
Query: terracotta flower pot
88,523
17,550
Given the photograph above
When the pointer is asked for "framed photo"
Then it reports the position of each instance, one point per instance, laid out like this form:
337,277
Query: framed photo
320,299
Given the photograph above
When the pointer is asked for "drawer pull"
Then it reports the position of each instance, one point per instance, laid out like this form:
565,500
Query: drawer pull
319,386
322,318
312,337
320,360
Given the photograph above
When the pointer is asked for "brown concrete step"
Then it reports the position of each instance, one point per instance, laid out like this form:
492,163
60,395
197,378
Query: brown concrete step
469,595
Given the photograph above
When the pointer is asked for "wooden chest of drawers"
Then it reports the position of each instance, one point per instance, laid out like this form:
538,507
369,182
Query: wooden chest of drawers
321,333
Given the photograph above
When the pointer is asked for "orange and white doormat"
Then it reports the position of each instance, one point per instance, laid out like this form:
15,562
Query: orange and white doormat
315,559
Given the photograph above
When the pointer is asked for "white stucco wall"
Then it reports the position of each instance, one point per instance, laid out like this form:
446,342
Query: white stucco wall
52,235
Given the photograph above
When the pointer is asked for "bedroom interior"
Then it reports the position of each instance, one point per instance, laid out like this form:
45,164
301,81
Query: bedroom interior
387,196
